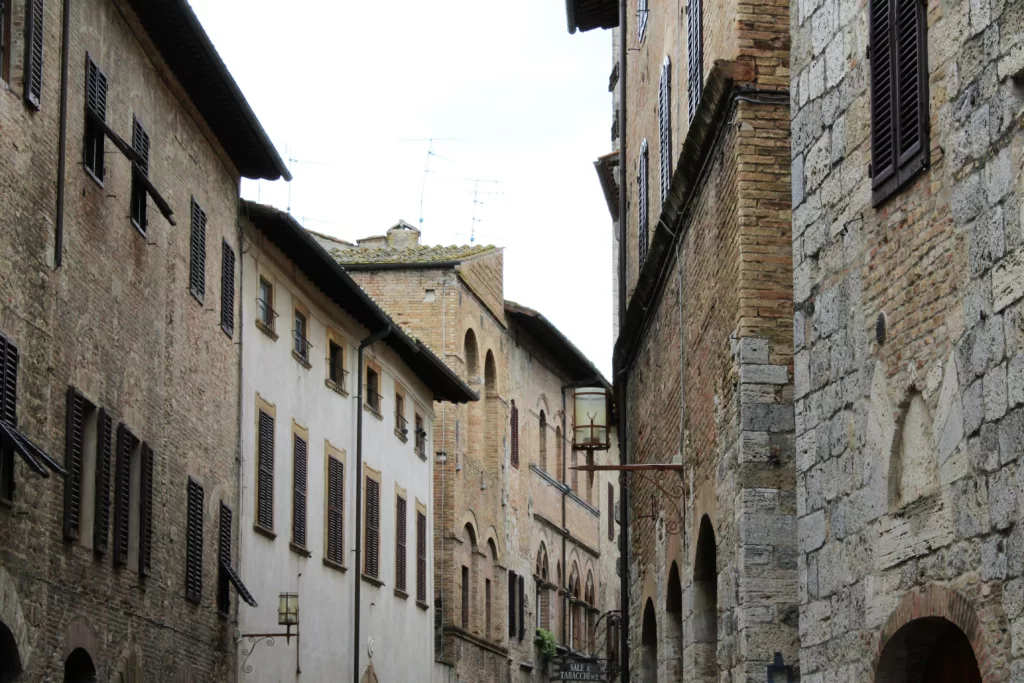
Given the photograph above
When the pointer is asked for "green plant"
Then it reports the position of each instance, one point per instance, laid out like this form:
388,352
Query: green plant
546,640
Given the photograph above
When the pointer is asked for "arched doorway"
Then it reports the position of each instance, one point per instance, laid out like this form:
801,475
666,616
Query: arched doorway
929,649
673,626
10,658
649,645
78,667
705,603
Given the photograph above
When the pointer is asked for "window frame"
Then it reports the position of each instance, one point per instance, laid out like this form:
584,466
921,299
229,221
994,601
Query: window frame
339,381
194,523
94,139
422,554
643,207
695,56
665,127
300,337
401,422
139,196
228,261
421,434
374,409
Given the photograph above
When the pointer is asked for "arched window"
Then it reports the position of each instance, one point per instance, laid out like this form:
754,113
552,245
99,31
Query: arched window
494,431
674,626
491,591
705,603
575,609
649,645
472,357
466,567
78,667
590,597
542,443
928,649
543,601
10,658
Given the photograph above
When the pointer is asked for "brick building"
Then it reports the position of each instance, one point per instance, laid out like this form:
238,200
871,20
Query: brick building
704,352
120,359
521,542
908,276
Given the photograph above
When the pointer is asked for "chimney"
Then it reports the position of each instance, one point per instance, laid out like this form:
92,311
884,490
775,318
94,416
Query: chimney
375,242
403,236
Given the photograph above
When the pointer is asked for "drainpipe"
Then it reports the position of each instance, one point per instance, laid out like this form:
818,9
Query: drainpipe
241,398
565,565
376,337
62,136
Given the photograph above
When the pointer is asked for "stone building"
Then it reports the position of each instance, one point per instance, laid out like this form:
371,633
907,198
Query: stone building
704,351
120,355
909,378
521,541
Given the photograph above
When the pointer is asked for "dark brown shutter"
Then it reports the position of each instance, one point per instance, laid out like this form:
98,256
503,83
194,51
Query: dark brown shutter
194,543
643,206
335,510
96,106
34,53
299,492
372,528
197,252
8,382
146,510
522,608
421,557
883,123
695,55
665,126
73,462
400,538
104,447
514,428
227,289
512,603
224,555
611,512
140,143
122,487
265,476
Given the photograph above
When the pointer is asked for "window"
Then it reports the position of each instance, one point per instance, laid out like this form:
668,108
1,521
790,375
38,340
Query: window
265,472
665,125
336,363
543,441
512,611
301,342
194,543
140,143
401,424
421,554
197,252
79,454
126,468
145,526
373,390
335,523
611,512
421,435
465,597
265,306
487,608
5,42
95,118
695,55
522,607
371,532
641,19
34,53
400,529
300,460
513,426
227,288
643,208
898,50
226,575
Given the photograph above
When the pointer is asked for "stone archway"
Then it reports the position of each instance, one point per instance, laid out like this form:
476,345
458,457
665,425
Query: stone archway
79,667
649,645
13,626
673,643
705,603
10,657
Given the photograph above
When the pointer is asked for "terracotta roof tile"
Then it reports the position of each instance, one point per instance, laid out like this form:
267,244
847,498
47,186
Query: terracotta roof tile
417,254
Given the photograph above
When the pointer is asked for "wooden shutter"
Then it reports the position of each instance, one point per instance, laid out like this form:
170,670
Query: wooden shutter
514,428
335,510
695,55
194,543
140,143
122,487
512,603
8,382
643,208
74,439
522,608
96,109
372,554
400,537
265,476
197,252
299,491
34,53
421,557
146,510
224,555
227,289
665,126
883,124
104,448
611,512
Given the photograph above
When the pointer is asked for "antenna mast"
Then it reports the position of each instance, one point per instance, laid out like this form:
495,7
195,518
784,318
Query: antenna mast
426,166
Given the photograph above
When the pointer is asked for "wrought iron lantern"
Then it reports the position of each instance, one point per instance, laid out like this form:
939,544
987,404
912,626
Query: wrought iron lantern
288,610
590,419
287,616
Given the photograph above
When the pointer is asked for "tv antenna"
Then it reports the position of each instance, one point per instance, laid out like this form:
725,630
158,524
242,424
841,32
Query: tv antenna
477,201
426,166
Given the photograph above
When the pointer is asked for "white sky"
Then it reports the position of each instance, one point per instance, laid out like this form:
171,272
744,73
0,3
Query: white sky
339,85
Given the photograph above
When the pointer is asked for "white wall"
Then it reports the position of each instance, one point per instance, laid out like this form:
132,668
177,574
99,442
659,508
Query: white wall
401,631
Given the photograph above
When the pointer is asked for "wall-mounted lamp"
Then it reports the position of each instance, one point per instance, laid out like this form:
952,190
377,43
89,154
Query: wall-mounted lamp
287,616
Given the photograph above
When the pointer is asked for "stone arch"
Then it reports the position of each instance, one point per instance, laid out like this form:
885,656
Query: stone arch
649,645
491,539
469,520
705,603
913,467
924,618
490,375
14,636
575,608
10,657
129,666
928,649
472,355
80,635
673,655
493,614
79,667
493,419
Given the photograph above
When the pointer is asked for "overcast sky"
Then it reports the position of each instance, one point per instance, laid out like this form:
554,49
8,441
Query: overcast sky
339,86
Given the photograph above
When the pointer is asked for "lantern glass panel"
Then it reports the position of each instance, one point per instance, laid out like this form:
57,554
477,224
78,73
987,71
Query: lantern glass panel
288,609
590,418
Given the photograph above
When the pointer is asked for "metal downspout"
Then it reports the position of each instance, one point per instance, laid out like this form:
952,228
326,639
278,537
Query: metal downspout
565,565
622,377
62,135
376,337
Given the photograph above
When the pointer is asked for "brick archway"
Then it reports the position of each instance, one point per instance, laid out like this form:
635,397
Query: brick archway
939,602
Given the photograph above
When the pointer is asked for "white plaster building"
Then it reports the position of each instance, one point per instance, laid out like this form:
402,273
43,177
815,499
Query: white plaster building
303,320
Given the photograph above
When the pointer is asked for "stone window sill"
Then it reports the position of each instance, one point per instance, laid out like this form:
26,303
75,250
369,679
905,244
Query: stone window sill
401,437
334,565
370,409
335,387
372,580
263,531
298,549
401,594
422,605
266,329
304,362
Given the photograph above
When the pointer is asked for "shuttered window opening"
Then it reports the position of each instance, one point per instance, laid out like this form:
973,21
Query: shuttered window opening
421,557
371,551
226,575
104,457
465,597
12,440
126,447
643,205
335,511
400,529
641,19
197,252
665,127
34,53
95,118
227,289
299,479
146,510
522,608
5,41
694,55
140,143
514,430
74,455
611,512
513,611
265,473
194,543
899,94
